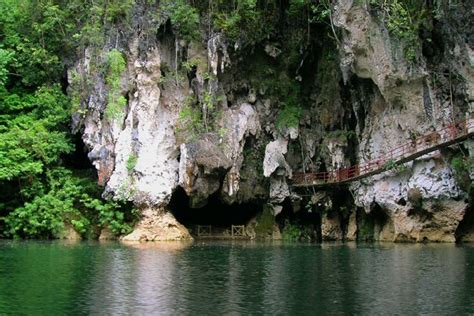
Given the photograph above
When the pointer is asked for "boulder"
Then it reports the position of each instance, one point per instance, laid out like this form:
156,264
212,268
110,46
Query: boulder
157,224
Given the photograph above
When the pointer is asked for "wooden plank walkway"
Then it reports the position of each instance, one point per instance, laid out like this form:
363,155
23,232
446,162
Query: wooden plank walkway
210,232
412,150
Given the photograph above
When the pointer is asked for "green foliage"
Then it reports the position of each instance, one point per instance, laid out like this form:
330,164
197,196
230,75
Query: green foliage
463,167
197,118
234,21
290,114
188,65
291,232
310,11
389,165
95,18
404,24
403,19
115,67
184,18
40,194
6,57
32,134
112,217
190,122
131,163
265,223
65,197
295,232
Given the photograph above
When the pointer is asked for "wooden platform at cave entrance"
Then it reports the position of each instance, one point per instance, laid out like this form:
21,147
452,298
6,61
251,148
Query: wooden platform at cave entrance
209,232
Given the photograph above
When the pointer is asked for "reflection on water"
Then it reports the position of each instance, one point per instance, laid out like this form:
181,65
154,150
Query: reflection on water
235,278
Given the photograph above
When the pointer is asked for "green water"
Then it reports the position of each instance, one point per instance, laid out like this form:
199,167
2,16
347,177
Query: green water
54,278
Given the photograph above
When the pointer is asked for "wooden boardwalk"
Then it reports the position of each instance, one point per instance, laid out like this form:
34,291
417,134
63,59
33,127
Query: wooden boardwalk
416,148
210,232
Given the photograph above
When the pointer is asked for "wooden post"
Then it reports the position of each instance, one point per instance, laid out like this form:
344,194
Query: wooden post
204,230
237,230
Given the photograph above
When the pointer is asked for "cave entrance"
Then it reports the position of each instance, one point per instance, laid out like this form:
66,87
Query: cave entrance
215,213
295,213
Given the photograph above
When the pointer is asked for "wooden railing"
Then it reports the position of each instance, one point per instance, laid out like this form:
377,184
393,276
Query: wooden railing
409,151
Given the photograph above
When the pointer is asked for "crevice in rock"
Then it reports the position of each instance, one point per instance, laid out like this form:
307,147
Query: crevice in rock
78,159
308,220
465,230
342,203
369,226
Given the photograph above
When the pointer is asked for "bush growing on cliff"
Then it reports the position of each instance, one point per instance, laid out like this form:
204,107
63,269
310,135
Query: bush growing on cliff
190,124
290,114
184,18
131,163
403,19
115,67
295,232
463,166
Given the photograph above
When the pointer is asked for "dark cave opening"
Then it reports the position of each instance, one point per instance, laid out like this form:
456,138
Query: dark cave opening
466,225
371,225
215,212
297,213
77,159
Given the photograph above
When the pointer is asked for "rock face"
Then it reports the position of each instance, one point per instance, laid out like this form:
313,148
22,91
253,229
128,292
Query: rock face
276,167
69,233
404,104
331,227
158,225
236,150
202,168
438,221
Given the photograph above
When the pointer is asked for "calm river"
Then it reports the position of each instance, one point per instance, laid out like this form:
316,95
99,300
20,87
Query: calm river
214,278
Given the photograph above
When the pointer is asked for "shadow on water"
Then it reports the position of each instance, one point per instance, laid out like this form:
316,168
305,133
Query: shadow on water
235,277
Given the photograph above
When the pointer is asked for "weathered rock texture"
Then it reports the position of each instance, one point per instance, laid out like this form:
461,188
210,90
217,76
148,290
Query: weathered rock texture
358,106
158,225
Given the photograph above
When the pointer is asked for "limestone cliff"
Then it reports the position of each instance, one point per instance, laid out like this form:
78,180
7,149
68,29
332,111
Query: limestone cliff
218,121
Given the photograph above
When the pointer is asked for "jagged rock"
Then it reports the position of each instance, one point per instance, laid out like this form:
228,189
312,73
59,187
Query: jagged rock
433,179
276,167
331,227
369,53
272,50
277,209
279,189
274,158
202,166
321,200
157,224
351,233
392,102
167,246
263,226
107,234
69,233
239,123
415,197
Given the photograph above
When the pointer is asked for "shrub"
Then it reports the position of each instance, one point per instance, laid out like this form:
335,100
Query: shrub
462,167
190,123
291,232
67,198
131,163
184,18
115,67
